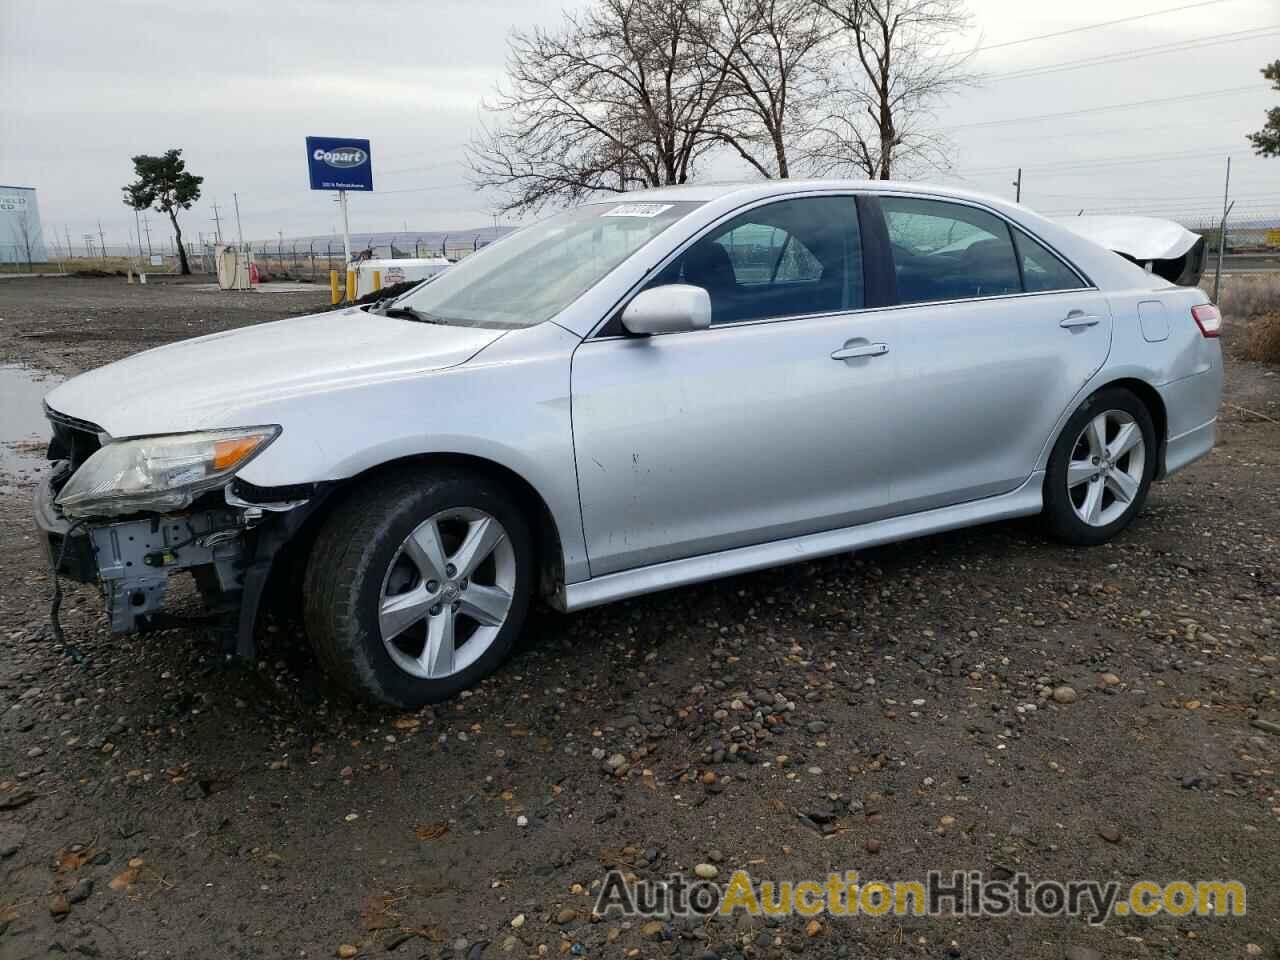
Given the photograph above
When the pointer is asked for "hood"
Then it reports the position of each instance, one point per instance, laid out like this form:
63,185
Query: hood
1140,238
203,383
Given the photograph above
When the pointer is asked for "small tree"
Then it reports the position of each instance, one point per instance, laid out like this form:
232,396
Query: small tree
27,234
901,70
1266,142
164,185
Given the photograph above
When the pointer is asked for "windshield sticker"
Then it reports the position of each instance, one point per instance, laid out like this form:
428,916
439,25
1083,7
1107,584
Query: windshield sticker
646,210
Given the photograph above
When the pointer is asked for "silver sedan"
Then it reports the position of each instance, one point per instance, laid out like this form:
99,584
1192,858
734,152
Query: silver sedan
642,392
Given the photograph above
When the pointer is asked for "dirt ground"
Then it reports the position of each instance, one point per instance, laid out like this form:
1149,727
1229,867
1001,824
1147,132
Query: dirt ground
889,712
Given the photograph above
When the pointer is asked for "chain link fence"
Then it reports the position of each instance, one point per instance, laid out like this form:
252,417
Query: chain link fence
298,260
313,259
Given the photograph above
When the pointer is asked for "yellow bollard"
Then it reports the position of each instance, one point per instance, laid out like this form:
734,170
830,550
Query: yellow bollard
377,279
351,285
335,294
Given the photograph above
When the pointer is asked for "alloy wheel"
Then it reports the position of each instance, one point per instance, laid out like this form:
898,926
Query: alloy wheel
1105,472
447,593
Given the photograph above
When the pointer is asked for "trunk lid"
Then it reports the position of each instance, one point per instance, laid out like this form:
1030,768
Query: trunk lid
1161,247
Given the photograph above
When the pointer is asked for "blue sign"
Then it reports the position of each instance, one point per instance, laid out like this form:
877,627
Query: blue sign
339,163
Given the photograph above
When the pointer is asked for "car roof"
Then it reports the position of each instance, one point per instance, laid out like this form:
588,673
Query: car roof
747,190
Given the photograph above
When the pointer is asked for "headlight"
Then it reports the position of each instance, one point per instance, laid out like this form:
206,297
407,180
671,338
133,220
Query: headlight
159,473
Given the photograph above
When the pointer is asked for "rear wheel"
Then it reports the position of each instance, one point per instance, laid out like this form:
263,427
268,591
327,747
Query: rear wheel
1101,468
418,586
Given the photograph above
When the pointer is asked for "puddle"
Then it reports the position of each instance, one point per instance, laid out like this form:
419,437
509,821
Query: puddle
24,432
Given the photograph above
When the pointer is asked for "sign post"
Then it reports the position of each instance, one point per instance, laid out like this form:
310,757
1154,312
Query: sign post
341,164
346,227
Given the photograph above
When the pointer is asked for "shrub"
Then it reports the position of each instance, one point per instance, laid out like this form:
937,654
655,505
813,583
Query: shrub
1245,297
1251,307
1262,338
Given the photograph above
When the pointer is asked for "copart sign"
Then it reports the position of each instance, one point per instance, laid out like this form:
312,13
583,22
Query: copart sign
339,163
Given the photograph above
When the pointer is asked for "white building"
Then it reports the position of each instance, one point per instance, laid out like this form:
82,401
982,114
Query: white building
21,237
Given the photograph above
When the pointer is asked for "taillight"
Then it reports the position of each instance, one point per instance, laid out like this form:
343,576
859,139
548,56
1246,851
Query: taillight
1208,319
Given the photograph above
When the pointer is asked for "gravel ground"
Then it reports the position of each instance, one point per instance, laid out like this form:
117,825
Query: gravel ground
891,712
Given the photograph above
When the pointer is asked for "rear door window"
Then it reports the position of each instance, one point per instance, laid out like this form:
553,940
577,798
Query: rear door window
1042,270
949,251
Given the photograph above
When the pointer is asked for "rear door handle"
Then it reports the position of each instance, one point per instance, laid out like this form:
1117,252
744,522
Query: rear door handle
1078,318
862,350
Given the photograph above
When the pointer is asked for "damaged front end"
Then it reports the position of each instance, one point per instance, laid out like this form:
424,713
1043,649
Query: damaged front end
129,515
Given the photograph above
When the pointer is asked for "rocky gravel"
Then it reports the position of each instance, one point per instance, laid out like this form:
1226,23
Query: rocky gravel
981,700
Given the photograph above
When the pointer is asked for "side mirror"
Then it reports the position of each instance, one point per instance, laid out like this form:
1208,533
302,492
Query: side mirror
673,308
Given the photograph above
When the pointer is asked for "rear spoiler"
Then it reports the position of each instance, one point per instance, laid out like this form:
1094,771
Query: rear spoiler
1167,249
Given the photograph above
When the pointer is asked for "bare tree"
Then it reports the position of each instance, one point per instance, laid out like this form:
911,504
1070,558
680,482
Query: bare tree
617,98
28,233
901,68
773,54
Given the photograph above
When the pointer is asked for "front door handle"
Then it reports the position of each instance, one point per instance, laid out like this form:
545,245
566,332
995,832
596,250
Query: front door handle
1078,318
862,350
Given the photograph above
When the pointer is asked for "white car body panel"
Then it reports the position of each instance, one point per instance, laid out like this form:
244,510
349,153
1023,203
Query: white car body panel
1143,238
223,379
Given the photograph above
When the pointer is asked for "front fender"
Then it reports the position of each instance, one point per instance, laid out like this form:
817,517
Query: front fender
509,405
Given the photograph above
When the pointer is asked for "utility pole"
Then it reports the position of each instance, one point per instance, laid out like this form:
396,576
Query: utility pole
1017,184
146,225
217,223
137,230
1222,231
102,239
239,227
67,230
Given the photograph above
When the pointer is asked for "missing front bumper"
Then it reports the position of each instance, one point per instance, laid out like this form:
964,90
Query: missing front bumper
136,558
230,550
133,560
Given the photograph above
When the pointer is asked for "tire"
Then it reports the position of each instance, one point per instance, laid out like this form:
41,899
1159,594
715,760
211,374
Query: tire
364,568
1120,480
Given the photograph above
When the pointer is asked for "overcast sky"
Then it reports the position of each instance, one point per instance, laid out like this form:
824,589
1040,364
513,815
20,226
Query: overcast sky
238,84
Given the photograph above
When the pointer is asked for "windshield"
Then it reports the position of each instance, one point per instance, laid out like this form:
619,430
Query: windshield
535,273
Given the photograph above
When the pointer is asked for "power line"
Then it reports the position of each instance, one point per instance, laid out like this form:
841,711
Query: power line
1165,201
1097,26
441,186
1058,167
1250,118
1208,211
1102,60
1171,204
1184,98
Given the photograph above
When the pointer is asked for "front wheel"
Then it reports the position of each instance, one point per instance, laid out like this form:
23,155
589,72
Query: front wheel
418,586
1100,469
